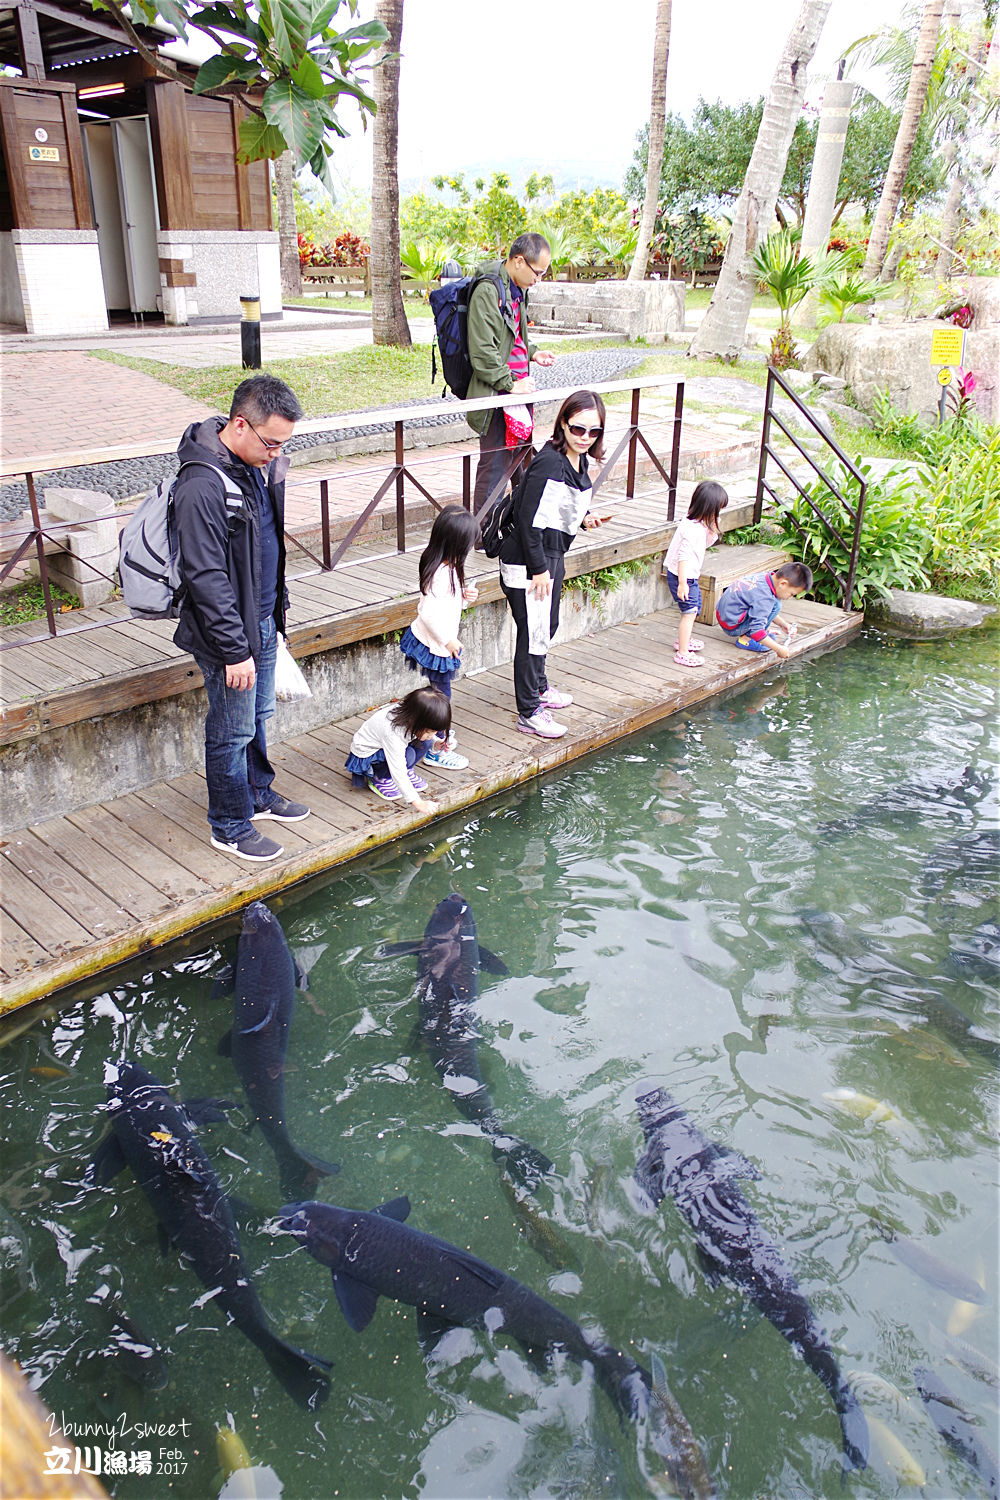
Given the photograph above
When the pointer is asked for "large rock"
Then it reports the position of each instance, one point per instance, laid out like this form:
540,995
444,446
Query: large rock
639,309
897,360
924,616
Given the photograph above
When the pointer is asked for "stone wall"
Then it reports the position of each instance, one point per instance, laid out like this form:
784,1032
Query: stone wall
204,272
897,360
59,274
638,309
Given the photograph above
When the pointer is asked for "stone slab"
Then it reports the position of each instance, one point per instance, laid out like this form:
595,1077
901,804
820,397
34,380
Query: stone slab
926,616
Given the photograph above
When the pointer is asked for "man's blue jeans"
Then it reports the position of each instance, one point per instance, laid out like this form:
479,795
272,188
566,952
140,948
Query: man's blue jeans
237,769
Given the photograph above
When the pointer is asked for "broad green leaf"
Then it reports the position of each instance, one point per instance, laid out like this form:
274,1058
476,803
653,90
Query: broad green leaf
320,164
323,15
219,70
291,25
371,31
259,141
346,86
309,78
299,118
174,14
235,22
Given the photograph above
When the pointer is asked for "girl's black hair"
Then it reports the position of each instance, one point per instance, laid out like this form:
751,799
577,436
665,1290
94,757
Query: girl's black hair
454,534
424,708
579,401
707,503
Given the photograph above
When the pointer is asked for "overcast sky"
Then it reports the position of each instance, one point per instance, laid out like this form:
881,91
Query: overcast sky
586,76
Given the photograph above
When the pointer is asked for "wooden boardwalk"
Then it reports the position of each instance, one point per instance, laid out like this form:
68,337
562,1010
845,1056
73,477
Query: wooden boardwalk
88,890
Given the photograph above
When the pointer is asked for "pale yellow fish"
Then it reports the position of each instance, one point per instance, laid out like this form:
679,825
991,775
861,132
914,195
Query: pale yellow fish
160,1135
863,1107
894,1454
50,1072
231,1451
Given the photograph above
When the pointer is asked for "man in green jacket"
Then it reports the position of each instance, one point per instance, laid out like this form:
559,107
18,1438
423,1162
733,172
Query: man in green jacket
500,354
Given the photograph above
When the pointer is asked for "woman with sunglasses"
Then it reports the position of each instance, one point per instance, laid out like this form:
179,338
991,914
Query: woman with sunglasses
551,509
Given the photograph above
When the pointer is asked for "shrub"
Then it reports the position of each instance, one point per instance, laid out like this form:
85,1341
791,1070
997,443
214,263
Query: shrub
960,501
894,539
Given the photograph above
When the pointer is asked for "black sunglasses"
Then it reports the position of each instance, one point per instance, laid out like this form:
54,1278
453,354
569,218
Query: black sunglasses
578,431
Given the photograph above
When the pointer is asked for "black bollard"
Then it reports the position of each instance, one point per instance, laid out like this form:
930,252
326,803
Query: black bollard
250,332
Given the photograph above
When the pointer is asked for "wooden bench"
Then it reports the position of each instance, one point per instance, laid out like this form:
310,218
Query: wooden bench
340,278
723,565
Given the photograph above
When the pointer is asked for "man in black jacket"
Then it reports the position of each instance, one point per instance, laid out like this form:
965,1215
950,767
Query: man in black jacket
231,535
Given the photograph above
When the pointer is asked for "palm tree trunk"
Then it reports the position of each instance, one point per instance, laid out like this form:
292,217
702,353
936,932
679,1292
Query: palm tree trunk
288,237
724,326
950,216
657,127
389,325
916,93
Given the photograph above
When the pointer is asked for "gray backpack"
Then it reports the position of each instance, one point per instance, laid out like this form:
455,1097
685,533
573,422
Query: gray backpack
148,555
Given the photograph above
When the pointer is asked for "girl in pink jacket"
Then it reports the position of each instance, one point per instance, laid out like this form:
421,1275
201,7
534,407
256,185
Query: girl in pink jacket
685,559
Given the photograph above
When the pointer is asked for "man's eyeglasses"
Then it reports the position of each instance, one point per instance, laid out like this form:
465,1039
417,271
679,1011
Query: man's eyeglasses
538,274
269,443
581,432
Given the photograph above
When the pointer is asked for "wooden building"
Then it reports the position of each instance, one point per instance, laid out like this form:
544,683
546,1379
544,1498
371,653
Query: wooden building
120,192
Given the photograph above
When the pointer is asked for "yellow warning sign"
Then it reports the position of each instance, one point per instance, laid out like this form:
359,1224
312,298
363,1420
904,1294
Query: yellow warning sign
944,376
43,153
948,346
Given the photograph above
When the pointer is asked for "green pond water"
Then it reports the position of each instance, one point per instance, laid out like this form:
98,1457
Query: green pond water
671,909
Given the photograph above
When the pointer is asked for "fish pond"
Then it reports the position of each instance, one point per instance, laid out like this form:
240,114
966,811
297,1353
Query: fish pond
781,908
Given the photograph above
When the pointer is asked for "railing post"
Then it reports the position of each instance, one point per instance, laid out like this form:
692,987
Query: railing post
467,480
400,498
855,545
633,429
324,517
43,564
675,450
765,438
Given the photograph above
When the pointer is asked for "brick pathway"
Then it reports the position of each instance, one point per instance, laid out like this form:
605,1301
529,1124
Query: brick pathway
69,401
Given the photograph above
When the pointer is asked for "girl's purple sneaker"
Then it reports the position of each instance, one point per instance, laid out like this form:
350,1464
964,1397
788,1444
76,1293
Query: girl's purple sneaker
384,787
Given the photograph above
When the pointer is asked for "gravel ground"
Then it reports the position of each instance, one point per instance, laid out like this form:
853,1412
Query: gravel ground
135,476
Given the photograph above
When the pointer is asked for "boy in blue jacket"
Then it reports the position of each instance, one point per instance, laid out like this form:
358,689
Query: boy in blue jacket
749,608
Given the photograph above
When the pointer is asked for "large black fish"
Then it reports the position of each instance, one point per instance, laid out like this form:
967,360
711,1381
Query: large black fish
152,1134
264,983
702,1179
913,801
376,1255
957,1428
449,958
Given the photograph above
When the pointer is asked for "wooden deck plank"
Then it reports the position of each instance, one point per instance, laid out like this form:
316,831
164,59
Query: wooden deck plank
147,858
19,952
43,919
124,886
79,897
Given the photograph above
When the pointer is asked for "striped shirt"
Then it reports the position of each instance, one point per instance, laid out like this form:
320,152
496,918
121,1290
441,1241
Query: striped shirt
517,360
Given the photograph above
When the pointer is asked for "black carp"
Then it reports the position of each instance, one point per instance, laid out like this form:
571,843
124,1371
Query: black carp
376,1254
264,983
153,1135
957,1428
702,1178
449,957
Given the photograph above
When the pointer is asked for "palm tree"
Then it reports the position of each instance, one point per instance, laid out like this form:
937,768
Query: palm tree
916,94
288,232
389,325
724,326
657,127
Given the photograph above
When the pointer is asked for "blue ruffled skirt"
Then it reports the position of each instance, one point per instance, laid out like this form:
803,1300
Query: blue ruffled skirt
421,658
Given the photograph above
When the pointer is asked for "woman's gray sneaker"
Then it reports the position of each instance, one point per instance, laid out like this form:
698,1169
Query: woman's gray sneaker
252,845
541,723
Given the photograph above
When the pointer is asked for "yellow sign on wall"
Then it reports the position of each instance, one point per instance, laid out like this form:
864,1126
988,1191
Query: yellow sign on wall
43,153
947,346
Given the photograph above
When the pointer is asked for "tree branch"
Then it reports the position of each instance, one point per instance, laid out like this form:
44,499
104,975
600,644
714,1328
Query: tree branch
166,68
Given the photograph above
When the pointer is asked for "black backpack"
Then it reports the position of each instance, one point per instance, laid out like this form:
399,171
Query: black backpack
450,306
500,521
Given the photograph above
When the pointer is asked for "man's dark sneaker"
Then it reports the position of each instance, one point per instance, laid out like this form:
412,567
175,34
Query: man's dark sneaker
283,811
252,845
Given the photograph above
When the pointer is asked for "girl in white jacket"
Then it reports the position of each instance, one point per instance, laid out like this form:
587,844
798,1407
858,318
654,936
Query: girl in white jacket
431,643
685,559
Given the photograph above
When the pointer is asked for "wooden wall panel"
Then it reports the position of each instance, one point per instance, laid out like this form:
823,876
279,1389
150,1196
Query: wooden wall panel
213,164
260,195
45,195
168,121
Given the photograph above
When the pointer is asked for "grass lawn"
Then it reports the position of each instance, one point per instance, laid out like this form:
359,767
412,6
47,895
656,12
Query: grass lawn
25,601
415,307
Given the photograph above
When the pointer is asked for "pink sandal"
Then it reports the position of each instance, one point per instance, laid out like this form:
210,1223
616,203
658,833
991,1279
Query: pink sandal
692,645
685,659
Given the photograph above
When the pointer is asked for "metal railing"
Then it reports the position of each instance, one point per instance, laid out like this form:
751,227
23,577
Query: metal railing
40,538
855,512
